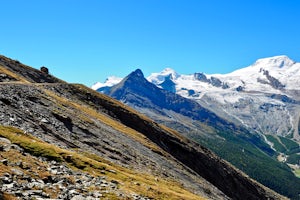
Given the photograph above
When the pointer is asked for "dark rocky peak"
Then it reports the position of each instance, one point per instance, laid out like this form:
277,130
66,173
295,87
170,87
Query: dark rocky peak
218,83
284,98
275,83
168,84
135,81
213,80
201,77
240,88
137,73
134,77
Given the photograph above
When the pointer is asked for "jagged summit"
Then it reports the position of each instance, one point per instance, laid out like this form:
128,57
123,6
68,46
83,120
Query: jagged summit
137,72
134,77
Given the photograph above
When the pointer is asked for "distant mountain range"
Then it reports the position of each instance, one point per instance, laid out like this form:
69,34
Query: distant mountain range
270,84
250,117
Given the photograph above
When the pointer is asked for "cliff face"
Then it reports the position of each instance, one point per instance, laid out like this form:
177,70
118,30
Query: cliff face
73,117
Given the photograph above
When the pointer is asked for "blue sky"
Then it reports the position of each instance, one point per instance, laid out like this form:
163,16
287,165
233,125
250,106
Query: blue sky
85,41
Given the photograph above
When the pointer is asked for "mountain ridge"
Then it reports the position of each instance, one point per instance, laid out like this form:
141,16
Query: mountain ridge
224,102
257,83
276,62
73,116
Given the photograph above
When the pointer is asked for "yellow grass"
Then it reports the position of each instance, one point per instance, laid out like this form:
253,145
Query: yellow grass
12,74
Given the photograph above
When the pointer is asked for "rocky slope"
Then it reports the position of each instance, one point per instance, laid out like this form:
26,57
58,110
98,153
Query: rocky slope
27,177
84,130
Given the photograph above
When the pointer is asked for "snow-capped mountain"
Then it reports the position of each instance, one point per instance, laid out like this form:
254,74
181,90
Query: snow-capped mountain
269,74
278,72
263,96
248,116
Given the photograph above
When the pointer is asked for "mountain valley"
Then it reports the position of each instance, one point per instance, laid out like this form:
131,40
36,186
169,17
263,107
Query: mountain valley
66,141
249,117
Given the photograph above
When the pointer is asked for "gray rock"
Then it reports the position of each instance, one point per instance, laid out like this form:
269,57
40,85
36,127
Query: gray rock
97,194
4,148
18,163
53,171
6,180
16,147
4,141
27,178
78,197
33,192
8,186
90,198
4,161
7,174
44,120
35,185
112,171
17,172
73,192
103,185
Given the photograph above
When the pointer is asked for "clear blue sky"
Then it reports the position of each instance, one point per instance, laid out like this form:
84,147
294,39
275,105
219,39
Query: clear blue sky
85,41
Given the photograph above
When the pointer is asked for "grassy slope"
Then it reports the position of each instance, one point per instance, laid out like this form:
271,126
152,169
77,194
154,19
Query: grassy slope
160,189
